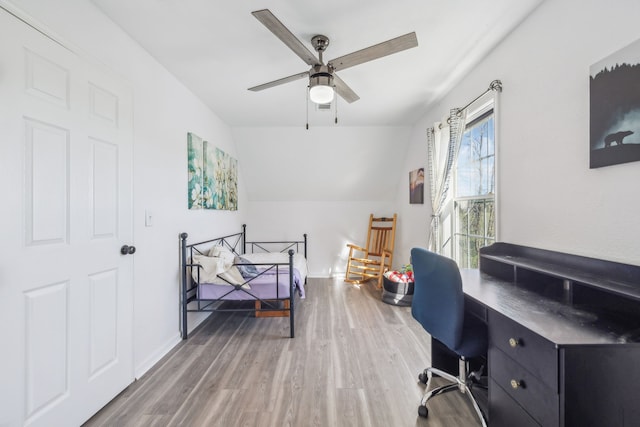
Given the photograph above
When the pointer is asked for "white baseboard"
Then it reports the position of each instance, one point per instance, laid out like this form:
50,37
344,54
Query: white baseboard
326,276
162,351
155,357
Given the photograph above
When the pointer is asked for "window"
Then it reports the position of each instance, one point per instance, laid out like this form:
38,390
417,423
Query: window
473,208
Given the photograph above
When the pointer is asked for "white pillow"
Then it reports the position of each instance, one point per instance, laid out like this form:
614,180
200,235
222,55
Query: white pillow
234,276
214,266
211,267
224,253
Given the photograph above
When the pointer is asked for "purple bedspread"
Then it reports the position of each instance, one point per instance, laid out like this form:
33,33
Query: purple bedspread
268,285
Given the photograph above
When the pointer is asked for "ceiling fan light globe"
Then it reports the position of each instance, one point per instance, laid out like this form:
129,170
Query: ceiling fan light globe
321,94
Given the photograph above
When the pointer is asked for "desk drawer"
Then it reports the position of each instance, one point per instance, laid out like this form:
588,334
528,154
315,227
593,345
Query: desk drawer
505,412
540,401
534,353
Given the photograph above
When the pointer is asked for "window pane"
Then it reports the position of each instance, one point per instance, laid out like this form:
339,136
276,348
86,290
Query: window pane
462,224
476,218
474,245
475,164
490,215
474,192
467,249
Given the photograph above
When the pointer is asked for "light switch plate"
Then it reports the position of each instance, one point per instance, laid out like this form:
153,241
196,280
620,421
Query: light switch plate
148,218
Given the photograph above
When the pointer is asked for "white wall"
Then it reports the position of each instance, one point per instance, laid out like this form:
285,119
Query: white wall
164,112
325,182
548,196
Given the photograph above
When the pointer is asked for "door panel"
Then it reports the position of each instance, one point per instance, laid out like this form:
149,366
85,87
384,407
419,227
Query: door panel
46,183
103,333
65,290
47,80
47,358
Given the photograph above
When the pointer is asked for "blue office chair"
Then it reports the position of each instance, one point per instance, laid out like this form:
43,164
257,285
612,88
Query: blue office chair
438,304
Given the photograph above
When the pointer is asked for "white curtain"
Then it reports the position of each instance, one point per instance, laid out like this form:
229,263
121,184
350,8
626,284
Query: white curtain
443,142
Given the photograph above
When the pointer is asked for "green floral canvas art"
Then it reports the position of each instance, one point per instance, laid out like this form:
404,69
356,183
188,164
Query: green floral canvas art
217,186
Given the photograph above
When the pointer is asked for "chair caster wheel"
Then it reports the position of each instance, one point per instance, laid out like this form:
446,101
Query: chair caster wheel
423,411
423,377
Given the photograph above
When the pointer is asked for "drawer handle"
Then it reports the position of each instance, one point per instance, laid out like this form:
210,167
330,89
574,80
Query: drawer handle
515,384
514,342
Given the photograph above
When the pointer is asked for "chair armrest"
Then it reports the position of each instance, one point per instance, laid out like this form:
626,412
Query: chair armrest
356,247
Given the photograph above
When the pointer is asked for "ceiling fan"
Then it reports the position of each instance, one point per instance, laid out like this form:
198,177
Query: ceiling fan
322,77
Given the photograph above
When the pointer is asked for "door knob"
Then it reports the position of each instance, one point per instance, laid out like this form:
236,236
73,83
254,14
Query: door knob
127,250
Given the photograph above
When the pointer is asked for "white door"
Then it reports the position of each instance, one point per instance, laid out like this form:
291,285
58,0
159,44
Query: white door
66,307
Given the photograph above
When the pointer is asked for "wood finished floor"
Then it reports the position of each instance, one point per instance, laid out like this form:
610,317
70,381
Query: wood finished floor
354,362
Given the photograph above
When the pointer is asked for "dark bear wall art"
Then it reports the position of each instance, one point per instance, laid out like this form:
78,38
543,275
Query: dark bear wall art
615,108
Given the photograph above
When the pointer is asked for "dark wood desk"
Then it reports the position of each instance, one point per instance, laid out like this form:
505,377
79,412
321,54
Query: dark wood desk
564,337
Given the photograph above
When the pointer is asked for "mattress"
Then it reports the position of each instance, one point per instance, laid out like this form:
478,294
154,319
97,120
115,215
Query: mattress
272,283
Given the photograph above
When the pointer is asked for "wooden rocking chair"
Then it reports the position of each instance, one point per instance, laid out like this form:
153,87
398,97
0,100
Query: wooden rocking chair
371,261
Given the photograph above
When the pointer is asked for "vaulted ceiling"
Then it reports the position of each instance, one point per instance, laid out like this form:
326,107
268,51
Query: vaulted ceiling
218,49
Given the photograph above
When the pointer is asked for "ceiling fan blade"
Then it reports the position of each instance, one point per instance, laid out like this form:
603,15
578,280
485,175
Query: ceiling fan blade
374,52
344,91
280,81
269,20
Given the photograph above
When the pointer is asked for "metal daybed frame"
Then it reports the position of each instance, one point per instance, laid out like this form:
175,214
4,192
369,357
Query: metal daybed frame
237,243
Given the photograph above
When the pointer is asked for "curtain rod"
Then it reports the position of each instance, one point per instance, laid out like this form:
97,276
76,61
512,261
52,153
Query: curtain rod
494,85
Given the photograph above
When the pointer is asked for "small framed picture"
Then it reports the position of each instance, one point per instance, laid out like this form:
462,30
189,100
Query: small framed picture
416,186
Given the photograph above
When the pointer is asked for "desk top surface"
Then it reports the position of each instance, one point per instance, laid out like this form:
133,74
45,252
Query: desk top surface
554,320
